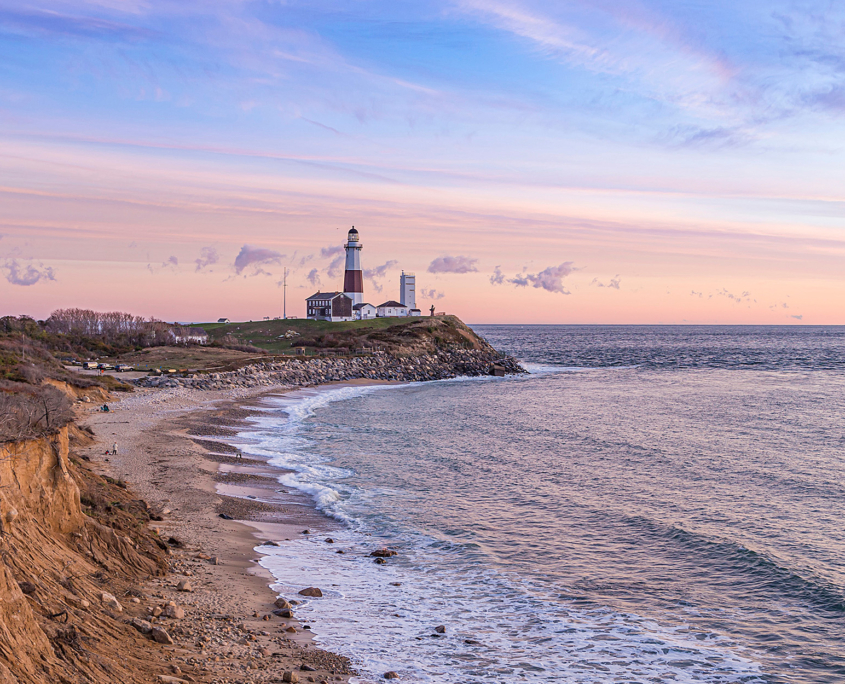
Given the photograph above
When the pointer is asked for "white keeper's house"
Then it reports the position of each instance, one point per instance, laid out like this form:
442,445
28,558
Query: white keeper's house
391,308
364,311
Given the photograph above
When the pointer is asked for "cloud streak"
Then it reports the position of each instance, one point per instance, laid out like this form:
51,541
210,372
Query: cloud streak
450,264
251,256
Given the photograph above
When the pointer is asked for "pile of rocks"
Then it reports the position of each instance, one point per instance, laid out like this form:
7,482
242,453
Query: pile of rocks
380,366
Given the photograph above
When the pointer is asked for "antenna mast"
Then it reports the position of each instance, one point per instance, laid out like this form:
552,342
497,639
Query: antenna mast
285,296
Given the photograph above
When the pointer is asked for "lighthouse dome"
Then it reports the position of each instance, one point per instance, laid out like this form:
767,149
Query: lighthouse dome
353,234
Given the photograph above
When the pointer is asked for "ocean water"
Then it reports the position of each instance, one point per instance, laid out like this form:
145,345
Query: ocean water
650,504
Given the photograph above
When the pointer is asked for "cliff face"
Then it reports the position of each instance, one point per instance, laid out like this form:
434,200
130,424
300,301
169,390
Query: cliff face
55,564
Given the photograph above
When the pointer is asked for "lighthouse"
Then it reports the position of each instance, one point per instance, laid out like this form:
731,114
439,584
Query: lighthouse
353,279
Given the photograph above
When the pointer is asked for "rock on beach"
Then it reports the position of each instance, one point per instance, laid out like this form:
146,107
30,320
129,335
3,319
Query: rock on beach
111,601
161,636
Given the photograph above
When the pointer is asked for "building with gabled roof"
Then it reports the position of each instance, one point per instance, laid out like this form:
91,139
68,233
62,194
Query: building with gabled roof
329,306
391,308
364,311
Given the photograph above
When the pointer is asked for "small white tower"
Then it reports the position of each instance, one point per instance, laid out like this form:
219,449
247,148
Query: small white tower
408,290
353,279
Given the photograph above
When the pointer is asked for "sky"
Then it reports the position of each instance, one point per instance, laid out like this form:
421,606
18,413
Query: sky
636,161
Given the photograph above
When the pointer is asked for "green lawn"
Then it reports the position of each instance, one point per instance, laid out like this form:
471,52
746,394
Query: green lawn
267,334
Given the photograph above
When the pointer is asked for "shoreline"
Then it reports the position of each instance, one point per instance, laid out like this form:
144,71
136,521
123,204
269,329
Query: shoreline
169,454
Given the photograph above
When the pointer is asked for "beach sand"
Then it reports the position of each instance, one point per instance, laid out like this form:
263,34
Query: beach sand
168,454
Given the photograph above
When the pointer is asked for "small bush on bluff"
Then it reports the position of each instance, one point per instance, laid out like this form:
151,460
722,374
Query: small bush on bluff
27,412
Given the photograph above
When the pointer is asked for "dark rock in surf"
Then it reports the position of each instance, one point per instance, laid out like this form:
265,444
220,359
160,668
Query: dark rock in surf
311,591
384,553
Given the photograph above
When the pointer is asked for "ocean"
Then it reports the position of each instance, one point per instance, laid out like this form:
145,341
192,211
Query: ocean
649,504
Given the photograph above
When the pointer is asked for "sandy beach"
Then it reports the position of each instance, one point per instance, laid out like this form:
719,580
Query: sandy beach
168,454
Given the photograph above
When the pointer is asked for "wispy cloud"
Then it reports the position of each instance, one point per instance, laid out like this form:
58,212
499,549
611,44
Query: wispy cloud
431,293
33,22
450,264
615,283
745,296
655,58
336,266
380,271
549,279
313,277
498,277
255,257
27,274
208,257
327,252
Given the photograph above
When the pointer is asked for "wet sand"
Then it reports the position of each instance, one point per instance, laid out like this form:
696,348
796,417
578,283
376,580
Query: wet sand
170,454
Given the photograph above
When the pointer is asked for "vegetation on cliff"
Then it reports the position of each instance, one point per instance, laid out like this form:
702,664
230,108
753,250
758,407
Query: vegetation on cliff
394,335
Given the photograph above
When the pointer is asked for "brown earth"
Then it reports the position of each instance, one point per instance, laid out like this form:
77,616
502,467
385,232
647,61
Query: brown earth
74,526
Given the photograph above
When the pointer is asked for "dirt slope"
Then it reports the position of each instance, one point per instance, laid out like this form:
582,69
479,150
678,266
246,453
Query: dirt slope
56,562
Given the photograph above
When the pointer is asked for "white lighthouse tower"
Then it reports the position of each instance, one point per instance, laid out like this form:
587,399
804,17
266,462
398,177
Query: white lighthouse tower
353,279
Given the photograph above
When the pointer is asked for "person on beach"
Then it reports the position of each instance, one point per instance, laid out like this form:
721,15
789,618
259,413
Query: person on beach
114,449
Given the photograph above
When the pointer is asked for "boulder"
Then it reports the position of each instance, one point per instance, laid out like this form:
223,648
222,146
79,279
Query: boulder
141,625
175,612
281,603
111,602
391,675
311,591
161,636
384,553
184,585
290,676
27,587
440,629
286,613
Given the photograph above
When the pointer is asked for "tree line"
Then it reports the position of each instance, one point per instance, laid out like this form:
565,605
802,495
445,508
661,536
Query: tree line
113,327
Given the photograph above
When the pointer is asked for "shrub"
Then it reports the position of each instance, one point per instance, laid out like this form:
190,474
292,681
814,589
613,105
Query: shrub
27,412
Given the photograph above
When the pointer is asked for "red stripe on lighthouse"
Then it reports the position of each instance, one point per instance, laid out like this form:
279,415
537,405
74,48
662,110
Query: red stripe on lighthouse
353,281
